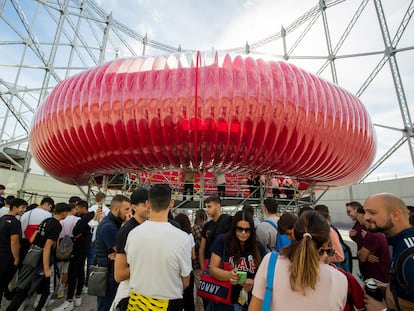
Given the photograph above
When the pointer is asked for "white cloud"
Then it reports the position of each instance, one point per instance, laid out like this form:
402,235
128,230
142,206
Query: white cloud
200,24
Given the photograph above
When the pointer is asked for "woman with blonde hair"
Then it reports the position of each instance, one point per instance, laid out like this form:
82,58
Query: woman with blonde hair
302,280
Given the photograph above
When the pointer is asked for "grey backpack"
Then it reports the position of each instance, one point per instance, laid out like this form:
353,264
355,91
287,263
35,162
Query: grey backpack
65,245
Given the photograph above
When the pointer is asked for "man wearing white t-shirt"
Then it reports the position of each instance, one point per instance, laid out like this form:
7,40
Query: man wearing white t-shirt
31,220
159,256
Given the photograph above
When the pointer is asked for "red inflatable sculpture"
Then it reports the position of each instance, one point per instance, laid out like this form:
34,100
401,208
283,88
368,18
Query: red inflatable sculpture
179,111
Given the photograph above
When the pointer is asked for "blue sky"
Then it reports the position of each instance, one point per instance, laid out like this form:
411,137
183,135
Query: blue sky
224,24
221,25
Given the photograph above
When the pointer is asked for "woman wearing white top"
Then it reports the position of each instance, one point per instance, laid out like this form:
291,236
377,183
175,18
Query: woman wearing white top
302,280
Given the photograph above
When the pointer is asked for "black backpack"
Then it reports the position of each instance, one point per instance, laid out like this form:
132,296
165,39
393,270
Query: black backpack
398,275
347,263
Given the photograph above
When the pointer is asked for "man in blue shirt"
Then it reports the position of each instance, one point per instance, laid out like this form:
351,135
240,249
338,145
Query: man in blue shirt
105,245
387,213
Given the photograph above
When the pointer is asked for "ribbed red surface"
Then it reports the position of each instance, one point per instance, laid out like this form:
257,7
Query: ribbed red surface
250,116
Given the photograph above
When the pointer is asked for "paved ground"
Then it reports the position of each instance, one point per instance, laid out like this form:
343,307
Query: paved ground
88,304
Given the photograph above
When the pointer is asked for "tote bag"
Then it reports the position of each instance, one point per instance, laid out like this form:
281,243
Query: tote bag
212,289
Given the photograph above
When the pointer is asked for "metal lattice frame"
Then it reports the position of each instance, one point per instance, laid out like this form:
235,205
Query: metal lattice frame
43,42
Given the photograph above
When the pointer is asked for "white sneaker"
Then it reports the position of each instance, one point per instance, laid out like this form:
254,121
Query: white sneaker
85,290
78,301
66,306
36,300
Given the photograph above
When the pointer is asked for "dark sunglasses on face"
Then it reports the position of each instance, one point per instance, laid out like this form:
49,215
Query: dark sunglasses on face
241,229
329,251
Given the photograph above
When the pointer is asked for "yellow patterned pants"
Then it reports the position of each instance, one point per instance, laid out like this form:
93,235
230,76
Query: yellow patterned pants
139,302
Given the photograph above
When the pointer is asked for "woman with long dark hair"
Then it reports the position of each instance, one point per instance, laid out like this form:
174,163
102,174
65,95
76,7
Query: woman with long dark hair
199,221
302,280
240,248
188,294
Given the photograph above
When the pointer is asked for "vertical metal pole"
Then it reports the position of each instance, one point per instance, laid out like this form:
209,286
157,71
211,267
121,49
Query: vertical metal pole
3,3
322,6
46,80
283,33
53,51
105,183
105,38
351,193
144,44
399,88
202,179
75,37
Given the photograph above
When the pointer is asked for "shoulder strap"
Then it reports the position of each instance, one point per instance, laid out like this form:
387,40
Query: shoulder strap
269,281
269,221
62,223
30,214
39,229
341,240
73,224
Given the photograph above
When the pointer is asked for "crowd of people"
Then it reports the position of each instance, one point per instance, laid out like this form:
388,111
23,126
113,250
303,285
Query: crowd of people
155,261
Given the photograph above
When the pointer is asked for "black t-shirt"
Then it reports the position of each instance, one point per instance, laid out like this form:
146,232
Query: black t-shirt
83,234
122,235
49,229
9,226
212,229
247,263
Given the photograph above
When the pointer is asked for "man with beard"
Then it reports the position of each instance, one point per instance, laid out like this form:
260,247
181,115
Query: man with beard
387,213
105,245
374,244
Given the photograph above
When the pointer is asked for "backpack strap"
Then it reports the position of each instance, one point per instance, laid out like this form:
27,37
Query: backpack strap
269,221
72,225
274,225
269,281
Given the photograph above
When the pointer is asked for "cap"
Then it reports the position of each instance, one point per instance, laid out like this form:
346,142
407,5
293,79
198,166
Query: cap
139,196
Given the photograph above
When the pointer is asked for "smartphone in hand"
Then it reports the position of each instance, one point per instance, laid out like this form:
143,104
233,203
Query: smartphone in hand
242,276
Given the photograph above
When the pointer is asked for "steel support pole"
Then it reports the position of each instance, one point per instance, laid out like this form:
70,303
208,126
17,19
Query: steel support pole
395,72
331,57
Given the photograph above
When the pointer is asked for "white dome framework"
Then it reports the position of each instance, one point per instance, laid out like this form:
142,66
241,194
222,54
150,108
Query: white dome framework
44,42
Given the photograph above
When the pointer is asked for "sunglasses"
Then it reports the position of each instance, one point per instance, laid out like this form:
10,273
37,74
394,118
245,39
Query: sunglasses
329,251
241,229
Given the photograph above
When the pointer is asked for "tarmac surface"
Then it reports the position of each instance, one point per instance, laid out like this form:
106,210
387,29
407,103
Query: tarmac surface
88,304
